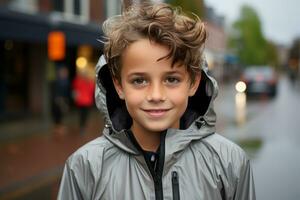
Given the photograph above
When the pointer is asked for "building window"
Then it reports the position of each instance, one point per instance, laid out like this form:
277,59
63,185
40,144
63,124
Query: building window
77,7
58,5
77,10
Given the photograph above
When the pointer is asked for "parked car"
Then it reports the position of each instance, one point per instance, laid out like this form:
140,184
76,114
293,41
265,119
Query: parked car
259,80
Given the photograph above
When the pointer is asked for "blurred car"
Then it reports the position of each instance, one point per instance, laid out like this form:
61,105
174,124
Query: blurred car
259,80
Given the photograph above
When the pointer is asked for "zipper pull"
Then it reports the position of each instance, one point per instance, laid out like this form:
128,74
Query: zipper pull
152,158
175,186
175,178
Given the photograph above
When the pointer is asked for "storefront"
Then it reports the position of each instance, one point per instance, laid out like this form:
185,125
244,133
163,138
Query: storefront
26,70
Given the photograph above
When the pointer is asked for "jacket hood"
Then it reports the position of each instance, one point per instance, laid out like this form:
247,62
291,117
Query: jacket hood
197,122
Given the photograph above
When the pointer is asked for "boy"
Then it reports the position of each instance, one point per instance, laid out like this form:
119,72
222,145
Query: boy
159,141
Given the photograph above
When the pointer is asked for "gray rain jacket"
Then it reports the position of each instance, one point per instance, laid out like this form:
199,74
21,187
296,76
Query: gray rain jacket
194,163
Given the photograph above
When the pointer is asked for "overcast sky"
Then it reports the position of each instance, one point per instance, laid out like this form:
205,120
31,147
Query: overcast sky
280,18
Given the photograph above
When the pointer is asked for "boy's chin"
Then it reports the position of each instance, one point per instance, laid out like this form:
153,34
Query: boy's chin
155,128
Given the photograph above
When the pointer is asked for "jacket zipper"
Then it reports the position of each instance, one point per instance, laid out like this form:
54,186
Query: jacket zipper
159,166
175,186
158,171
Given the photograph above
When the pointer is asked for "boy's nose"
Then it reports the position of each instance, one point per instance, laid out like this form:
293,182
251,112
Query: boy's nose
156,93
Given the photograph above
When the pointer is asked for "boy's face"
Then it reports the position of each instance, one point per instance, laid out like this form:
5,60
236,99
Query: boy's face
156,94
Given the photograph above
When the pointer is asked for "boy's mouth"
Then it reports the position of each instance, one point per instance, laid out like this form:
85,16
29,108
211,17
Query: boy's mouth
156,112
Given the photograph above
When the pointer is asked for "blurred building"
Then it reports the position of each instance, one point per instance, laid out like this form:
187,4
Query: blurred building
215,49
283,53
26,68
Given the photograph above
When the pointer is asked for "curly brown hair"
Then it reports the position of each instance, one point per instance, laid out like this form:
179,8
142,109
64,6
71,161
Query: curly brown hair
183,35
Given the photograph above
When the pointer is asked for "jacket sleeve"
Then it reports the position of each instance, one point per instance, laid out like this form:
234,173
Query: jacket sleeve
245,189
69,188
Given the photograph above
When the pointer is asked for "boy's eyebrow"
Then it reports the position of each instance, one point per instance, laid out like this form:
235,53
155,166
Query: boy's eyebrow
173,72
137,74
144,73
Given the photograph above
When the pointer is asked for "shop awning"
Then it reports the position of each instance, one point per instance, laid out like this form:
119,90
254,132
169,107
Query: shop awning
35,28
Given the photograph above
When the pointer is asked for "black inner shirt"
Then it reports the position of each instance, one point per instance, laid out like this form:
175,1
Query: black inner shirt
150,156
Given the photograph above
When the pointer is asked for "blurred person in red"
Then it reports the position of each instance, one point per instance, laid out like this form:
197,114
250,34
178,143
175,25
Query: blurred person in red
83,94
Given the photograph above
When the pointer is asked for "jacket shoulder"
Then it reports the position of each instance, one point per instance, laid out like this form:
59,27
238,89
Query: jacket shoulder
225,148
89,159
229,158
84,170
90,152
234,167
230,163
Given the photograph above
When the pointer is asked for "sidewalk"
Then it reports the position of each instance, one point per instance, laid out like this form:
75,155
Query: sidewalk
35,162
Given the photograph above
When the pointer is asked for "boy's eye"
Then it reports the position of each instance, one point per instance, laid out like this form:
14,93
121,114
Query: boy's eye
172,80
139,81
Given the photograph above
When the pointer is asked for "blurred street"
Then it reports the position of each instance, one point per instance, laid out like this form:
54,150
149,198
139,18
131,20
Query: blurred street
268,129
31,166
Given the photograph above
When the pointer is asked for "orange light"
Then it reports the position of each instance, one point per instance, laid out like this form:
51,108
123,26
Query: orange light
56,45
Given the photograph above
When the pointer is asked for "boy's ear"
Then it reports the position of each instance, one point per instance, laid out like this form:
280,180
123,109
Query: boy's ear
118,88
194,86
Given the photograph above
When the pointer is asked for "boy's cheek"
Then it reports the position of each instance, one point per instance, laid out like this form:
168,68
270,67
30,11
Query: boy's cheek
133,99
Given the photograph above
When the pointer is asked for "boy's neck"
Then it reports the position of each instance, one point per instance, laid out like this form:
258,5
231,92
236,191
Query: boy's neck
148,140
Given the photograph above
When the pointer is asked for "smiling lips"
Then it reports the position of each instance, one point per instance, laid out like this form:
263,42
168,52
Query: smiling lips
156,112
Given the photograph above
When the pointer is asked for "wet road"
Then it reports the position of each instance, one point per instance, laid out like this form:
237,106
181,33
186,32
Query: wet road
269,130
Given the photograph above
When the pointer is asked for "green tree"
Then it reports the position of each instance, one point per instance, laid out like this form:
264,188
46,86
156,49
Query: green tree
252,47
195,6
